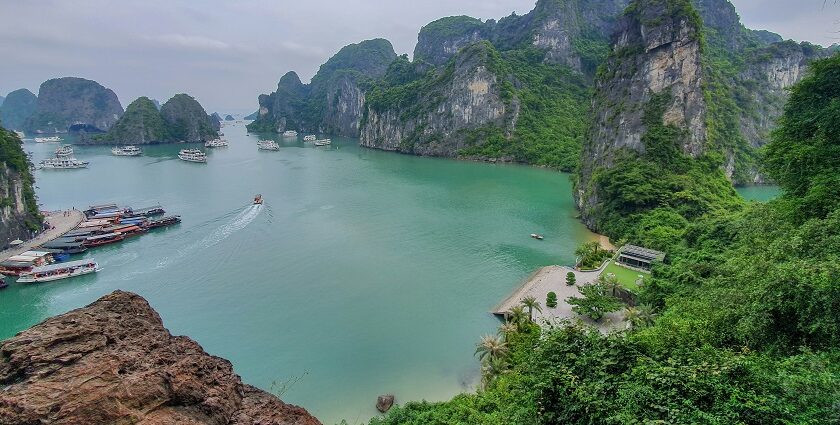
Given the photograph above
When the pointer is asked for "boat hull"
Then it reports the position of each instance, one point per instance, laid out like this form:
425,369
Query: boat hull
74,273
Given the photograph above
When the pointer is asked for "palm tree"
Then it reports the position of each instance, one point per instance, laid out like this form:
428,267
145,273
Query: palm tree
646,314
632,316
516,315
507,329
532,304
491,347
492,369
610,283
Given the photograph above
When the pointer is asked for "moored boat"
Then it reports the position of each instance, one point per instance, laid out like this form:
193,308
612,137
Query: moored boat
99,240
59,271
268,145
192,155
149,211
323,142
51,139
67,247
163,222
290,133
63,151
66,163
129,150
3,283
309,138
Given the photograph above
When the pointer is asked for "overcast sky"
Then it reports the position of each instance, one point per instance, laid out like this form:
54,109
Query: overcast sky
226,52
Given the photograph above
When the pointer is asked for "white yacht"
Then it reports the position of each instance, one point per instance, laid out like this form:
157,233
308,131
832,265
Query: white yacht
309,138
268,145
59,271
323,142
217,143
129,150
290,133
63,151
63,163
51,139
192,155
20,134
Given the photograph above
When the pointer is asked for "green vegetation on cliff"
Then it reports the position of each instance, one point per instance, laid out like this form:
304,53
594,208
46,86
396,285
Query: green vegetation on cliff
742,326
13,157
141,123
180,119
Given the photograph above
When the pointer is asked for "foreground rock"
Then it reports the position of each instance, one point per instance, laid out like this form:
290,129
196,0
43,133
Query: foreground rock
384,403
114,362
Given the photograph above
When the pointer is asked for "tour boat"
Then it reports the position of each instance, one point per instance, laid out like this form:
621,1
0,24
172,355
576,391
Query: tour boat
51,139
129,150
66,163
99,240
268,145
323,142
192,155
20,134
59,271
309,138
537,236
217,143
290,133
258,200
149,211
163,222
64,150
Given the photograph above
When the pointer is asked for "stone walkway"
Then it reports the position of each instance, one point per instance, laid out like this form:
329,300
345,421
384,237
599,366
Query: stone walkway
553,278
55,219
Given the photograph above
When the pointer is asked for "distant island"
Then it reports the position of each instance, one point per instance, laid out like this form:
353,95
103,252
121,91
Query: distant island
180,119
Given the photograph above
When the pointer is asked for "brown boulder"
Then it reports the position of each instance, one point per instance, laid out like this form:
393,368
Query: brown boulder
384,402
114,362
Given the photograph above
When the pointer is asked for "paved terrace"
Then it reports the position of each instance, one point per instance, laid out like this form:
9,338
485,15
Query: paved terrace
553,278
61,226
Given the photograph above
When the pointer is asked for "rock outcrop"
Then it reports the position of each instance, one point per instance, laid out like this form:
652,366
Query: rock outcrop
333,101
187,119
464,97
114,362
229,118
17,109
18,208
180,119
67,101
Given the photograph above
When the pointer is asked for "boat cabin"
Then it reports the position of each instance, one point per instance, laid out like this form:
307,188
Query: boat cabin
638,257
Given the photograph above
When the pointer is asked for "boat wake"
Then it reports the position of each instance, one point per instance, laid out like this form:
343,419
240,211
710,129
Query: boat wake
239,222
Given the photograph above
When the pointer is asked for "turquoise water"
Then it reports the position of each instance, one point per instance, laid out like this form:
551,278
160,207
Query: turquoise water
364,273
762,193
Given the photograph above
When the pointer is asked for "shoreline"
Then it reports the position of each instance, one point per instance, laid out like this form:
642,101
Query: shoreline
60,225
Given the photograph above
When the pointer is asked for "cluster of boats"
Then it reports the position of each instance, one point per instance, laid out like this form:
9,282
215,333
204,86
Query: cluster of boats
44,266
268,145
217,143
51,139
63,160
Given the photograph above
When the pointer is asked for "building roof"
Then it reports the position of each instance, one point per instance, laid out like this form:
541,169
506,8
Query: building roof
641,253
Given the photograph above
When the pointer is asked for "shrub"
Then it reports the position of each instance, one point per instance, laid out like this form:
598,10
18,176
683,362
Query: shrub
551,300
570,279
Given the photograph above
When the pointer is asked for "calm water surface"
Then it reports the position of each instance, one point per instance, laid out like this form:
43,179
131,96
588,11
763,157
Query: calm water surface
762,193
364,273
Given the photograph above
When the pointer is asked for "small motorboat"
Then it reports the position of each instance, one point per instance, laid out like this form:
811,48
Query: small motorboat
258,200
537,236
3,284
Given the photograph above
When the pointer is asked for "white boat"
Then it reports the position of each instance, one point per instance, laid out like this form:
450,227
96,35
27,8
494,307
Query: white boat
217,143
20,134
64,150
192,155
129,150
309,138
63,163
59,271
290,133
323,142
268,145
51,139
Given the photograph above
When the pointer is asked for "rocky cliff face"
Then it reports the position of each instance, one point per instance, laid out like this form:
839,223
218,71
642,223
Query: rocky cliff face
187,120
114,362
17,109
332,101
63,102
656,62
465,96
18,208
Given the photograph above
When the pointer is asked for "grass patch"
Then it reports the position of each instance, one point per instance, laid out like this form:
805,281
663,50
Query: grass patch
625,276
